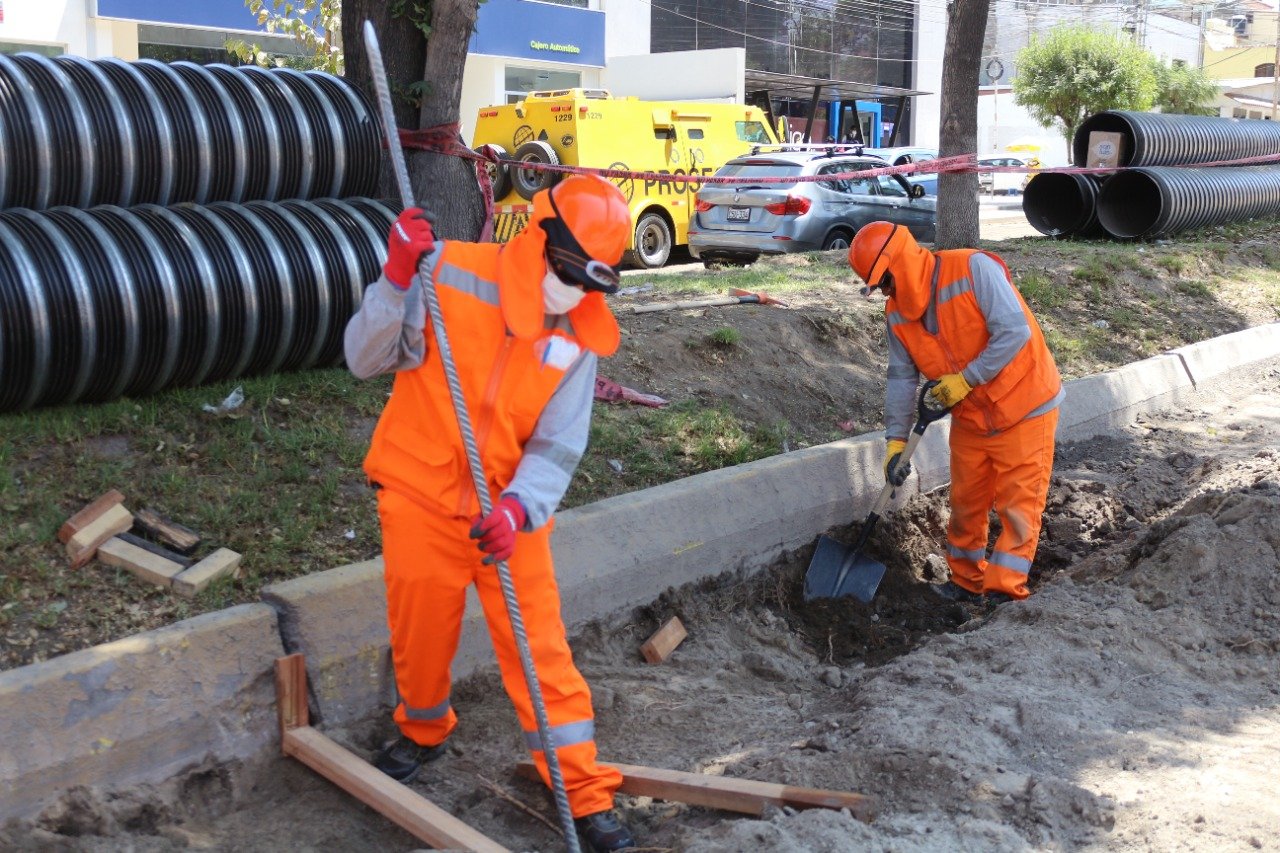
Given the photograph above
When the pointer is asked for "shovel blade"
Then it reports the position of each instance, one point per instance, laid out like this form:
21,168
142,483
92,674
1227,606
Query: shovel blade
830,558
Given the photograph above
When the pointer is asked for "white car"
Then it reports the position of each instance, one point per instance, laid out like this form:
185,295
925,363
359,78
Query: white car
1001,183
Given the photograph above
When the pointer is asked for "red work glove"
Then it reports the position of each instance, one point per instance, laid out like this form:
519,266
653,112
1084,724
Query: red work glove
410,237
497,530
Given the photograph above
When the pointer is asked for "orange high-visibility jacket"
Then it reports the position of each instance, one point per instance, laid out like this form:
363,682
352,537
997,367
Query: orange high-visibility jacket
510,358
1027,382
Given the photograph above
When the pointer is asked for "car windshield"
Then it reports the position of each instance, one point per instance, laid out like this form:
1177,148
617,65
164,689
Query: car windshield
760,169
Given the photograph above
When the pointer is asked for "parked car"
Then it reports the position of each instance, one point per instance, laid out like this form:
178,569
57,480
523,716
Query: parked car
902,155
739,222
1001,182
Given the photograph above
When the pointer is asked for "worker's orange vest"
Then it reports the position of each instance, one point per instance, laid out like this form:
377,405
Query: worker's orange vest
510,357
1028,381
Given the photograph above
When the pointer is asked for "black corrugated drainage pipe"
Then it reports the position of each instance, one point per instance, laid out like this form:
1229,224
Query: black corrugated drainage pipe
83,133
1062,204
1160,139
105,302
1154,201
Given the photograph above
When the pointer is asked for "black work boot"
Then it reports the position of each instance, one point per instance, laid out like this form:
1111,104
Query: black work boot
952,591
402,758
604,832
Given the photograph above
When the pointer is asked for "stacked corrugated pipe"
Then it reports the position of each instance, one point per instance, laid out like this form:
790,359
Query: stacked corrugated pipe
167,225
1158,195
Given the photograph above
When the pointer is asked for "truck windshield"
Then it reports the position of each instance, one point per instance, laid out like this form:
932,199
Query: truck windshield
752,131
759,169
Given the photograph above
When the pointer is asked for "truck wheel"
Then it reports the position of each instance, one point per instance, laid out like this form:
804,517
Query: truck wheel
836,240
529,181
499,173
653,242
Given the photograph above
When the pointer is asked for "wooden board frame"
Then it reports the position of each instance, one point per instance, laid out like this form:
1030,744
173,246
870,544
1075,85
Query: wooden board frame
411,811
724,792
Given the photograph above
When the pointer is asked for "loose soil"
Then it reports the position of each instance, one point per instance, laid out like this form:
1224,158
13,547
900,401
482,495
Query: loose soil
1131,703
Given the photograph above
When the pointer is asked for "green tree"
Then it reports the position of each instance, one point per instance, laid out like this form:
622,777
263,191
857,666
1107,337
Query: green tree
316,25
1186,90
1074,71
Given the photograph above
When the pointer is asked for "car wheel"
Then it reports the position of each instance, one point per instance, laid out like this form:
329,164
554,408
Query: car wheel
653,242
836,240
528,181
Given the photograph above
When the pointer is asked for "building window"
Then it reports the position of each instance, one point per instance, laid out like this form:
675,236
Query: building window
1266,69
1255,114
521,81
1239,112
42,49
172,44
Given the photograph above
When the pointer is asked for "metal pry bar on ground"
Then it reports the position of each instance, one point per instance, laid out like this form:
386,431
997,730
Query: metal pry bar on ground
419,816
532,683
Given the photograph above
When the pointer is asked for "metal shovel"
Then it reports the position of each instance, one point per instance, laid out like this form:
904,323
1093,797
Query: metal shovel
837,570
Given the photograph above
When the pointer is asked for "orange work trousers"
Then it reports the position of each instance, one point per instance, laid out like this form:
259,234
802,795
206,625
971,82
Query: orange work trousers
1008,472
429,563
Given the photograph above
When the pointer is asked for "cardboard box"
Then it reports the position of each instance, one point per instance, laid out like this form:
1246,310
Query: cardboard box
1105,149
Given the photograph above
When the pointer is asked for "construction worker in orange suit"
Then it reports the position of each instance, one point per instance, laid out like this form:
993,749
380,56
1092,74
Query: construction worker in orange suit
956,317
526,322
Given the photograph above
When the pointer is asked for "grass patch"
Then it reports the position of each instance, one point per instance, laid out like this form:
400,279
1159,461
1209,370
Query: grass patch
1194,289
725,337
1041,291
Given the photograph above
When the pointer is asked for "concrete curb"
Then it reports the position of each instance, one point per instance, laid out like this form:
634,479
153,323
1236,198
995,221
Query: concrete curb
145,708
139,710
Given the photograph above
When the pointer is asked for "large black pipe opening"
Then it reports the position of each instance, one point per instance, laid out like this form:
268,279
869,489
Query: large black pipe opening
1131,204
1062,205
1112,121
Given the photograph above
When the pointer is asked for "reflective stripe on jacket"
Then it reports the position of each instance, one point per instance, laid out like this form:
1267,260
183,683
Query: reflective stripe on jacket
506,379
1027,382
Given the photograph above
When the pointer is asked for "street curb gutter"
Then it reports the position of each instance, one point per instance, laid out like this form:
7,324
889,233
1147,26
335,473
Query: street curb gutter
148,707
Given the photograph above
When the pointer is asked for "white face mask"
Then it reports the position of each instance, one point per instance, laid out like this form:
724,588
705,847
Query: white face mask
558,297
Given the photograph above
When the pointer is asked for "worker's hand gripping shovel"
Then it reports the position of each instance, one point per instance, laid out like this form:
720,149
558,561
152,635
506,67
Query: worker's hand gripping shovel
837,570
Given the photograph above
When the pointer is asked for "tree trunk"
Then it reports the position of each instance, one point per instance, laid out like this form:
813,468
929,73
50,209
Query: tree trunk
445,185
958,192
448,183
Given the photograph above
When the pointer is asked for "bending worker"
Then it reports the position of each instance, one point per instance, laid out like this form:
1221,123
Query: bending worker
956,317
526,321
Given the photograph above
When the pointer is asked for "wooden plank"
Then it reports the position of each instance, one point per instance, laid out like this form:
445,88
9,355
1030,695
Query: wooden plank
179,538
291,693
84,543
221,562
721,792
90,513
158,550
150,567
659,647
400,804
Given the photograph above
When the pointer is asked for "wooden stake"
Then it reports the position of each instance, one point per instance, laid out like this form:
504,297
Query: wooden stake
291,693
84,543
422,818
90,513
146,565
221,562
166,532
659,647
721,792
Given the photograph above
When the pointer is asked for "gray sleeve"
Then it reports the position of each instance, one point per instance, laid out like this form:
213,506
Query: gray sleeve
900,393
559,439
387,333
1006,323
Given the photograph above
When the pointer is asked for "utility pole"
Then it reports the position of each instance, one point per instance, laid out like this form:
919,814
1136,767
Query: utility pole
1275,71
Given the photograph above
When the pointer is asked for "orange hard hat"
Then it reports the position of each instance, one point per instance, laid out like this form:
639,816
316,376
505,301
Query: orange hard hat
874,247
587,227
